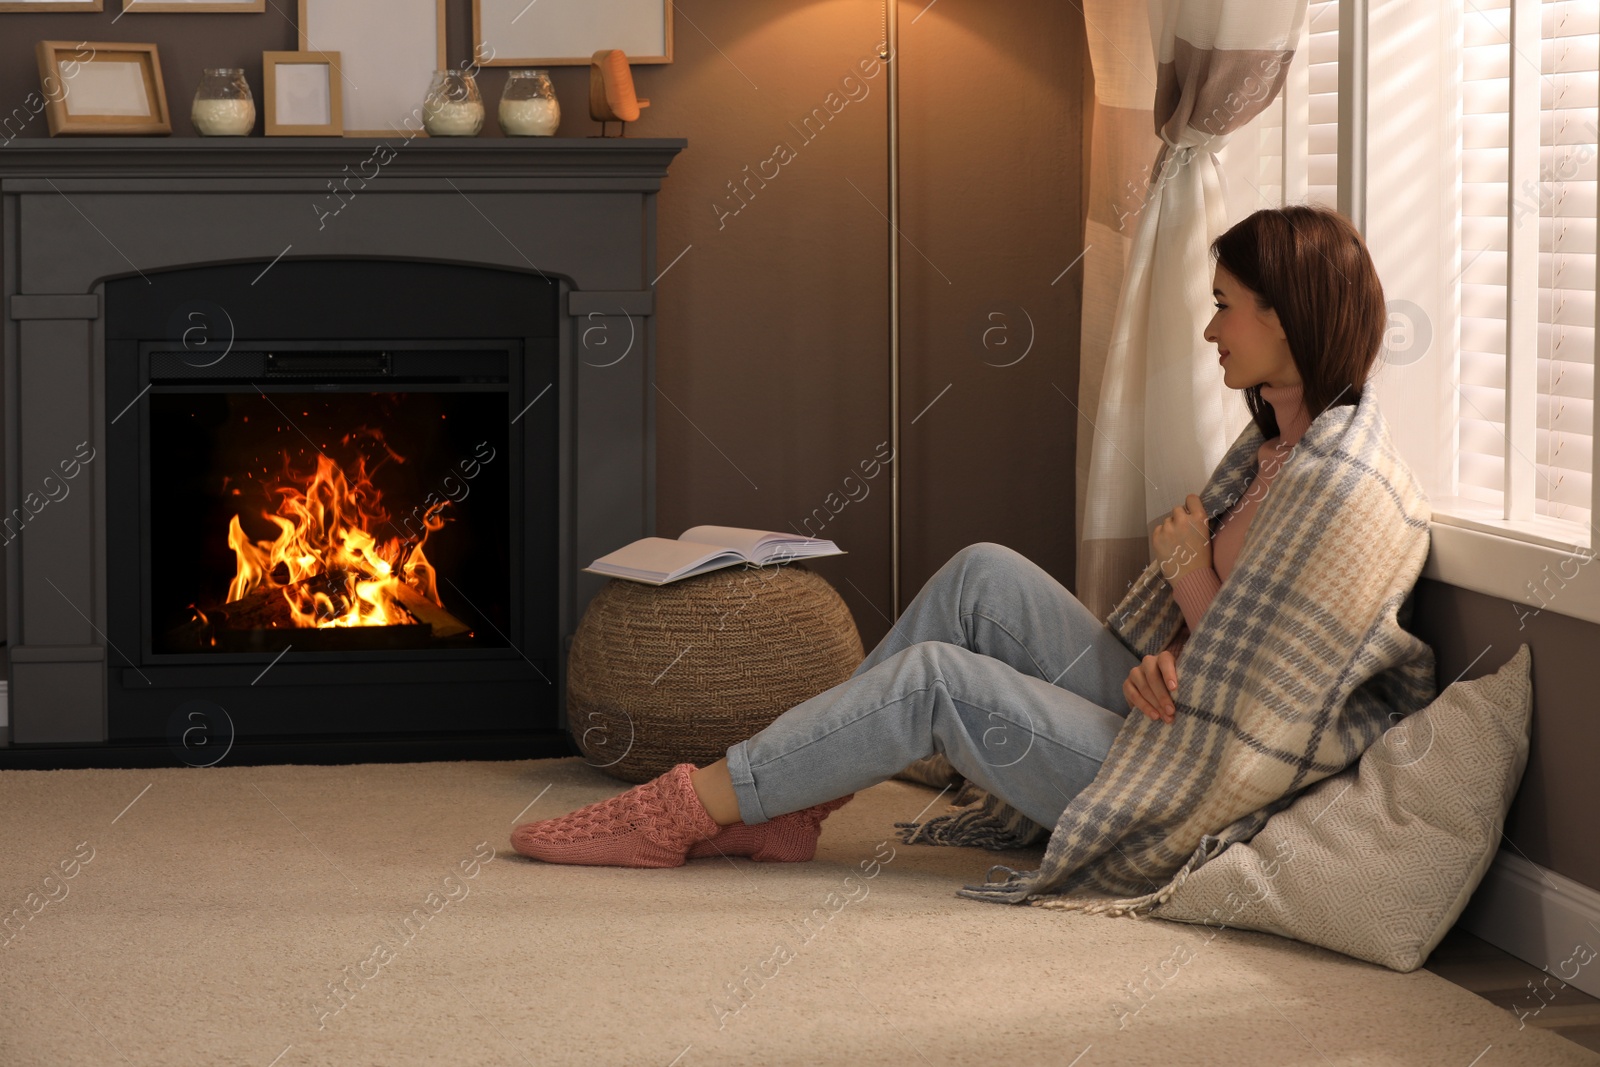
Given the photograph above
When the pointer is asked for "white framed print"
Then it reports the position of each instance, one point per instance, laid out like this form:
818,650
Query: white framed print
102,87
517,33
52,5
168,7
302,94
388,51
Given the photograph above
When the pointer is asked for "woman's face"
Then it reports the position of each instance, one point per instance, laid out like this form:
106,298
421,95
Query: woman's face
1250,342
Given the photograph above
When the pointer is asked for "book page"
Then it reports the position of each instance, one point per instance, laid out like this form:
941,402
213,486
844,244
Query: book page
745,542
657,556
762,546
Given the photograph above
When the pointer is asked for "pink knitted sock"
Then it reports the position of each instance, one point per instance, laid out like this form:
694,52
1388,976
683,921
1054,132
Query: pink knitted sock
651,825
790,838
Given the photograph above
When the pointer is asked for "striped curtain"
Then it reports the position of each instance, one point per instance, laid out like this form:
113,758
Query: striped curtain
1154,415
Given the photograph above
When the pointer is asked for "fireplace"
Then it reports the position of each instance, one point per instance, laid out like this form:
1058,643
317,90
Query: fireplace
340,477
326,481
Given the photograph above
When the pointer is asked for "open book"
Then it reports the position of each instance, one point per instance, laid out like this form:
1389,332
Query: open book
659,560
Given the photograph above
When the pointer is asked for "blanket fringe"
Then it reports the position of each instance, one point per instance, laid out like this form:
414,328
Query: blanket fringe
994,824
990,823
969,792
1139,906
1013,890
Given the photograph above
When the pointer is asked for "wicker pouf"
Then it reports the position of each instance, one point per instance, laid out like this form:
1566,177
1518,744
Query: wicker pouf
662,675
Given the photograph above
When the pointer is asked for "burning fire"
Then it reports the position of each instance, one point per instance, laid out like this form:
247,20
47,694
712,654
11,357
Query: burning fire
327,563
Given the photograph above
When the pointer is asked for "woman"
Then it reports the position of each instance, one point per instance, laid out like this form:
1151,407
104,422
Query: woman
994,663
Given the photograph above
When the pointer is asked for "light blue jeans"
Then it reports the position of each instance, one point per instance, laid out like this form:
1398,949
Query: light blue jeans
994,663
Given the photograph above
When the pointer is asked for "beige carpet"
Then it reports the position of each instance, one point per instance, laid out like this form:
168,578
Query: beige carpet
215,914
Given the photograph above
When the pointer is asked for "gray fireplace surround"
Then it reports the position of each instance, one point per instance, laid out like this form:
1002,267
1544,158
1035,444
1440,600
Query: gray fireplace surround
74,214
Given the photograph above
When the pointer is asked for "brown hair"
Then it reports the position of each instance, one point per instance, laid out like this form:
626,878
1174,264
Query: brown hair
1310,265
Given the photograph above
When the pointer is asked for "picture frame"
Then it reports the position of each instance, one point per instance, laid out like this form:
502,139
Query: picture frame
302,94
102,87
52,5
516,33
388,52
168,7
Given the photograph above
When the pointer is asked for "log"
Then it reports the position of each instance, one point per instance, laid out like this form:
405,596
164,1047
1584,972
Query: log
263,608
261,620
326,639
427,612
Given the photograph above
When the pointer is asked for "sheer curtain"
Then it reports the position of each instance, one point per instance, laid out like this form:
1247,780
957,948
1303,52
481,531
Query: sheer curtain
1158,415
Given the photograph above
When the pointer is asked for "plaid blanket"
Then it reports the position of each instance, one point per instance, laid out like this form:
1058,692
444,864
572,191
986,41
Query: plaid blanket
1300,662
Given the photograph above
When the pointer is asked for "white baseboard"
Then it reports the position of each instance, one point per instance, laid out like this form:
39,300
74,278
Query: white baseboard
1539,916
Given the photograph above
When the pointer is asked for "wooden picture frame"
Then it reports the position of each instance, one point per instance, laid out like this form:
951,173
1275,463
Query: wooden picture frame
289,99
115,88
168,7
388,52
52,5
516,33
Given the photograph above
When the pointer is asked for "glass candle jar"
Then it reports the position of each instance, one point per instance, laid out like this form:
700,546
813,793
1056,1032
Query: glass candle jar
223,106
528,107
452,107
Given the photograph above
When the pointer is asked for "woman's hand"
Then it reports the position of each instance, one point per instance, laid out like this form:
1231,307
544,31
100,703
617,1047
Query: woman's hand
1182,540
1149,686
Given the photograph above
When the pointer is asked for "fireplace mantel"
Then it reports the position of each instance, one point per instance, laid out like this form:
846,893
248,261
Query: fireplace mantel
74,214
636,163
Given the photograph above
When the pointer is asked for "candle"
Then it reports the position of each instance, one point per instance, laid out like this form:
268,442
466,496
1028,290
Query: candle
454,118
224,118
536,116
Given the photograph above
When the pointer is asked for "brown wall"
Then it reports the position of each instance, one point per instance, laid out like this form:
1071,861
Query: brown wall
774,330
994,137
1551,822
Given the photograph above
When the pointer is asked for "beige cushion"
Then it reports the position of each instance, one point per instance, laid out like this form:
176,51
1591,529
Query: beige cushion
1378,861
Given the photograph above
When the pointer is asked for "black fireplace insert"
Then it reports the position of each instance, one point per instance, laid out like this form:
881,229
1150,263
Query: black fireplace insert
333,490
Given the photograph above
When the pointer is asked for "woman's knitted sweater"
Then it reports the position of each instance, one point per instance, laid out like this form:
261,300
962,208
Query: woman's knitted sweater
1195,589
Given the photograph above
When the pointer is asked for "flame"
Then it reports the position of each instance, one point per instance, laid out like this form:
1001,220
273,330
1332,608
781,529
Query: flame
329,566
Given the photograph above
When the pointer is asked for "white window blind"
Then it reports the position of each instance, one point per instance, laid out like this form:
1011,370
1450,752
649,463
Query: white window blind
1567,162
1555,191
1289,153
1485,103
1269,140
1322,147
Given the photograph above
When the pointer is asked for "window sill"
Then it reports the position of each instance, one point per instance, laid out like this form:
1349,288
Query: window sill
1537,564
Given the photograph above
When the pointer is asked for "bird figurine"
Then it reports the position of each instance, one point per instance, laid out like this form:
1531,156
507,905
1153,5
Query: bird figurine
611,97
